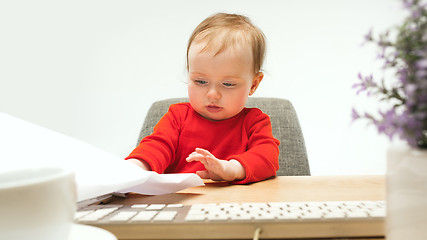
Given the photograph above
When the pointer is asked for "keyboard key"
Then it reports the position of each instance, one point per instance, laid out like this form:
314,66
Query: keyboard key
165,216
122,216
229,205
282,205
195,218
288,216
194,211
357,214
80,214
139,206
175,206
265,216
144,216
241,217
378,213
335,215
156,207
98,214
312,215
217,217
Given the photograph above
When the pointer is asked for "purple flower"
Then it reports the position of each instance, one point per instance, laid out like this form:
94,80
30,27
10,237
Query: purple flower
421,73
410,91
354,115
416,13
408,3
402,75
365,84
421,64
406,56
367,37
388,125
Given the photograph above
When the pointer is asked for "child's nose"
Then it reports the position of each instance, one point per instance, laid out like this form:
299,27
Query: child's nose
213,93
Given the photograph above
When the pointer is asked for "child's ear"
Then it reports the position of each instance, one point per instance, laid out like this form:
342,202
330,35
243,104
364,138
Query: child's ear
255,82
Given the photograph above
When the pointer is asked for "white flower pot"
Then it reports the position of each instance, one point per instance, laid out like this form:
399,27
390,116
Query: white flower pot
406,193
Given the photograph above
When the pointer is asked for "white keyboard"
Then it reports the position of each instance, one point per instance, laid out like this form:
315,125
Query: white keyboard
239,220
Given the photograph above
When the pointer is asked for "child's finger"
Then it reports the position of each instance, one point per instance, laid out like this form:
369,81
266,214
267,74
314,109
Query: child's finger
195,157
208,175
192,154
203,152
203,174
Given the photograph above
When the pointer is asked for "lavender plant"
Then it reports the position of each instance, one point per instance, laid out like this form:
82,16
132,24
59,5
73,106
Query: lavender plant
403,53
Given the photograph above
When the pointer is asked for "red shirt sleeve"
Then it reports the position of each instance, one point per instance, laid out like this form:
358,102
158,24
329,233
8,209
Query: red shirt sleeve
261,160
158,149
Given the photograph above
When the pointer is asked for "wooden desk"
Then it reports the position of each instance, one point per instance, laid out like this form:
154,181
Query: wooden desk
284,188
279,189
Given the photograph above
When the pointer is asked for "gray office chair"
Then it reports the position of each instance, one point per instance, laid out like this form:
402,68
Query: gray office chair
286,128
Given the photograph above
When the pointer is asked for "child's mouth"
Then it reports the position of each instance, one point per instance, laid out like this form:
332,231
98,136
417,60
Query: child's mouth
213,108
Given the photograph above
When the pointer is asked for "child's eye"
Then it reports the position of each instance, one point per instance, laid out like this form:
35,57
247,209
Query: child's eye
200,82
226,84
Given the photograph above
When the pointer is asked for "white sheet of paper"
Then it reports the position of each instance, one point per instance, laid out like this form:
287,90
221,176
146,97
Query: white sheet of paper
24,145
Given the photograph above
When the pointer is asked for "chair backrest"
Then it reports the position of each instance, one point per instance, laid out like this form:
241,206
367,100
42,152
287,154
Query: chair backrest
293,159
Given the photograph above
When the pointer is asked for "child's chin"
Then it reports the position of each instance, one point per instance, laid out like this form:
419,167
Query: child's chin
212,117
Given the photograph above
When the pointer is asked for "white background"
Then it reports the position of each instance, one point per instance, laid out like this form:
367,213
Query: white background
90,69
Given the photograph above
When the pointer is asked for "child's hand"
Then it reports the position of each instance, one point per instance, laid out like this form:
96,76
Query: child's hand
217,169
140,163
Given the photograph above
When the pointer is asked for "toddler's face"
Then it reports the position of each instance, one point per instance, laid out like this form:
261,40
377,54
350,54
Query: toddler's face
219,86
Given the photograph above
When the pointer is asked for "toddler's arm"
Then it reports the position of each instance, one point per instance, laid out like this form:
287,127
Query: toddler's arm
141,163
217,169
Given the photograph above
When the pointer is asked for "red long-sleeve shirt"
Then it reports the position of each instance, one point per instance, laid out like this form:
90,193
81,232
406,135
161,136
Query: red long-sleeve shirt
246,137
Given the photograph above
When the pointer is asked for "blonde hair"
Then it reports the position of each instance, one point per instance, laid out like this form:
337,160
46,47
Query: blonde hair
222,31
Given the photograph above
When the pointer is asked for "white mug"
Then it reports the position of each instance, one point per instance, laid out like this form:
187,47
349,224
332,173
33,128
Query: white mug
37,204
